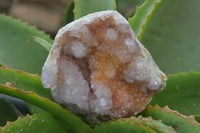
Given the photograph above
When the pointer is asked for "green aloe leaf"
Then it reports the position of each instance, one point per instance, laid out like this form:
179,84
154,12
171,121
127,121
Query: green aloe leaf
8,112
133,124
142,16
66,116
84,7
69,13
155,125
172,36
122,127
180,123
181,94
37,123
45,44
197,118
23,81
128,7
14,49
26,82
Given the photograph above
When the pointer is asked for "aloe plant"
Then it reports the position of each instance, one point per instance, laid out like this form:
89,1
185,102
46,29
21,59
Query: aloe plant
23,50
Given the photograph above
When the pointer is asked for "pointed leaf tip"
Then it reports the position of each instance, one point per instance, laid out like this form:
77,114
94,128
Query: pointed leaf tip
45,44
142,16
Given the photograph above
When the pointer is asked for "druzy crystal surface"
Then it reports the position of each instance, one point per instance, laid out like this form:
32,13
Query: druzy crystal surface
97,65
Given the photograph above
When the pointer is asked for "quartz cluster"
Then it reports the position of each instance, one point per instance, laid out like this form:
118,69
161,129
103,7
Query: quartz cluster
97,65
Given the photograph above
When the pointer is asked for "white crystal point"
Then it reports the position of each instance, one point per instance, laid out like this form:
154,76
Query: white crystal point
97,65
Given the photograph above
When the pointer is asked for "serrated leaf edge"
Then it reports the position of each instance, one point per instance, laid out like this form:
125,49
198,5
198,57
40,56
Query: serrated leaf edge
148,17
26,23
20,71
166,108
67,116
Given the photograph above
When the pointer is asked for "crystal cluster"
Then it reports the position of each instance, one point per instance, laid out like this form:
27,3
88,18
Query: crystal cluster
97,65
